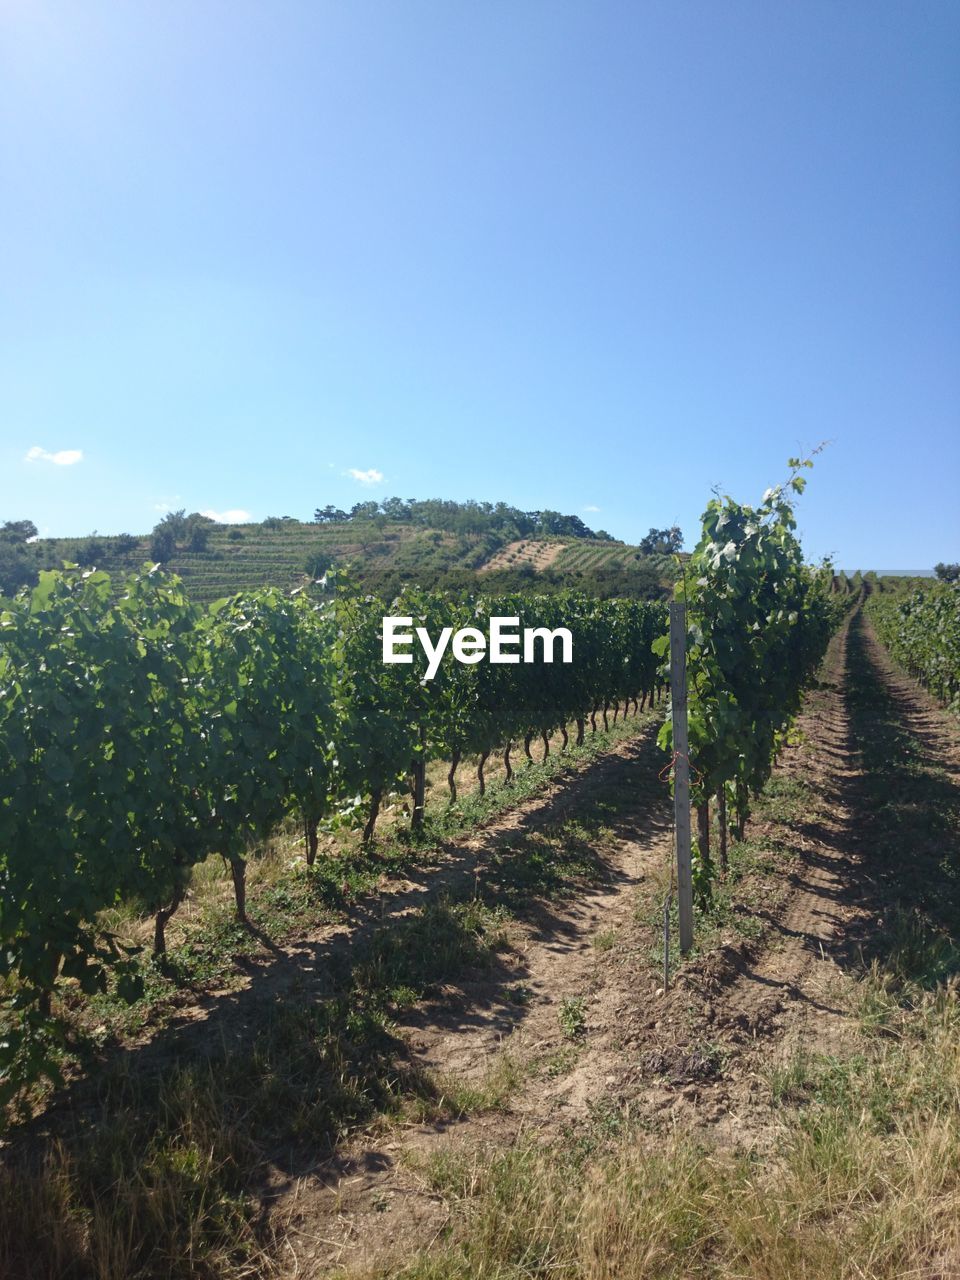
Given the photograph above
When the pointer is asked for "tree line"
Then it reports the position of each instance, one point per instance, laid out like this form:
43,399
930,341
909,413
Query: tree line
510,523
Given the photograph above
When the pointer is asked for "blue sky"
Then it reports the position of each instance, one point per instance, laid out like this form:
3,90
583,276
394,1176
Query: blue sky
576,255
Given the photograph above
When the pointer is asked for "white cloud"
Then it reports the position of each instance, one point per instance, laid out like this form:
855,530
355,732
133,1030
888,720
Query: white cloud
373,476
62,457
167,504
591,508
164,504
236,515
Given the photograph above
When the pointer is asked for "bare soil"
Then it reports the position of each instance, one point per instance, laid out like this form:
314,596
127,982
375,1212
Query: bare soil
514,555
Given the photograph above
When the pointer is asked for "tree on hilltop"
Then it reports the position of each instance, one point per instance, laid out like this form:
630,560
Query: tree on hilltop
19,563
663,542
17,531
329,515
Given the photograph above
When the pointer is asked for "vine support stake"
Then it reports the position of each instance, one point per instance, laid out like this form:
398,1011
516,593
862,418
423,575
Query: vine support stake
681,770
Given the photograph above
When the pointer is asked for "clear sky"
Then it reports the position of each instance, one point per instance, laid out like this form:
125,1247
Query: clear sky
592,256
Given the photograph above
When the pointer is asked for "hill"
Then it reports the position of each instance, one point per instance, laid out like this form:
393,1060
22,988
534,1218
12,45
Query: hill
440,543
241,557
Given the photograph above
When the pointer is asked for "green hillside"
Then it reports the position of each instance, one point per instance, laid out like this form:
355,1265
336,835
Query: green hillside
238,557
442,544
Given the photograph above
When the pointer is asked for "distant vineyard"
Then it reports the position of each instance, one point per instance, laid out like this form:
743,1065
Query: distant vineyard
595,555
922,632
245,557
286,553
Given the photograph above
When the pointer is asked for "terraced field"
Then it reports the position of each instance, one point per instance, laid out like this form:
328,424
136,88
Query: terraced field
240,557
243,557
588,554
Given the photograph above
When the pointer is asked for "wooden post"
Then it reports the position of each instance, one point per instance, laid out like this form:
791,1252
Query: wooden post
419,782
681,770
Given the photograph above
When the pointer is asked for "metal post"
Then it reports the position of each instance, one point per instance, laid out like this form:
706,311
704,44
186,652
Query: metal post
681,770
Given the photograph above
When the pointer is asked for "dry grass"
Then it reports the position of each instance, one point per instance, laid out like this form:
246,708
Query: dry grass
158,1193
160,1171
864,1185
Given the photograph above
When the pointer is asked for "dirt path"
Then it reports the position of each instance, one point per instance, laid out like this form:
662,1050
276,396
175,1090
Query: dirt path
636,1047
370,1198
761,1002
767,986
